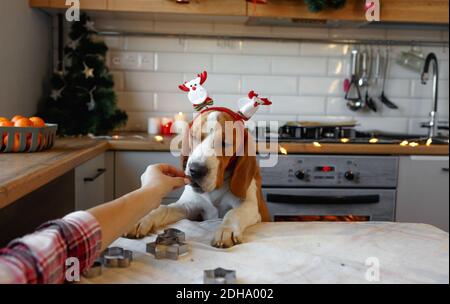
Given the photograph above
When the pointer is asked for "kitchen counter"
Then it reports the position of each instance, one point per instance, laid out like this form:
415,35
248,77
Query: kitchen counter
293,252
22,173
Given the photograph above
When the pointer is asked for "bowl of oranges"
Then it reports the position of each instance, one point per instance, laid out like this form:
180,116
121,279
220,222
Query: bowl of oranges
26,134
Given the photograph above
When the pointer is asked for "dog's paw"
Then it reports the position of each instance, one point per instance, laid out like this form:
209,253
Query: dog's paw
226,237
144,227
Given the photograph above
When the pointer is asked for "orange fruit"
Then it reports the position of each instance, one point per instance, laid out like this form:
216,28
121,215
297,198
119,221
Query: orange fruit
23,122
17,117
16,145
37,122
6,123
4,119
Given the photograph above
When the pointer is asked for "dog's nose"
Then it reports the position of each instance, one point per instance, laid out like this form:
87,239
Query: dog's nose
197,170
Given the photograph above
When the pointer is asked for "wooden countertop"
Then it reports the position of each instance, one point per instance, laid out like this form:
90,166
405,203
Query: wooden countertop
22,173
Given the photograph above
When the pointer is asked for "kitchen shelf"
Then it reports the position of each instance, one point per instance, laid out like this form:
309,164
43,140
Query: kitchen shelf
419,11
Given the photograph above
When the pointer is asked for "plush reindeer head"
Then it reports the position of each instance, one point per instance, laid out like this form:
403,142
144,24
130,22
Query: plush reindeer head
196,92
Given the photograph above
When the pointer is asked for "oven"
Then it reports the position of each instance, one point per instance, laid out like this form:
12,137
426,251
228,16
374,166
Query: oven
331,188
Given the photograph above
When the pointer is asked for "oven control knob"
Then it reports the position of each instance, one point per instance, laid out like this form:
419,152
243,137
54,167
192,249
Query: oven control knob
349,175
300,174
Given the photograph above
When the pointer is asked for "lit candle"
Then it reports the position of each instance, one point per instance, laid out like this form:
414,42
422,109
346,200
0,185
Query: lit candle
166,125
154,125
179,123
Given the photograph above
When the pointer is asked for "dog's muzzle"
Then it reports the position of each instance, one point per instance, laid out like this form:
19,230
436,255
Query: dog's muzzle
197,173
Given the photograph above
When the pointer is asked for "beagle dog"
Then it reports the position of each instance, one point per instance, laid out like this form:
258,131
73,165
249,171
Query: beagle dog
225,180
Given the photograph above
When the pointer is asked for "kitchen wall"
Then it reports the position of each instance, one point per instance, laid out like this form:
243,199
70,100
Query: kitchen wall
25,57
304,80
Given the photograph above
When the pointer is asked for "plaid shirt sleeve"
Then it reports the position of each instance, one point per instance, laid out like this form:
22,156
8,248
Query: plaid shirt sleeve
41,257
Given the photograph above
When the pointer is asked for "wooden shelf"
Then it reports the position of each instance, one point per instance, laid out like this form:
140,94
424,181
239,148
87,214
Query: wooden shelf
420,11
411,11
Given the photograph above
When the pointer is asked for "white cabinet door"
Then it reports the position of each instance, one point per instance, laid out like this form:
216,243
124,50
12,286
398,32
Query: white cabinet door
129,167
90,183
423,195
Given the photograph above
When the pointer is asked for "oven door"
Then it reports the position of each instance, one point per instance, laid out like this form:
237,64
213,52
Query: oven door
330,204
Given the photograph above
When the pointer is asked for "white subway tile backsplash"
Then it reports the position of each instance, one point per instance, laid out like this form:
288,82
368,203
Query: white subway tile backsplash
304,80
231,101
270,85
338,66
270,48
337,106
221,83
414,126
183,62
213,46
306,105
155,44
119,83
323,49
136,101
172,102
153,82
296,32
320,86
299,65
241,64
398,88
383,124
418,90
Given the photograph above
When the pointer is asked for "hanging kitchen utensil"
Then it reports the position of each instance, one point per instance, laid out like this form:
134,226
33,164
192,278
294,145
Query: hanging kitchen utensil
370,102
413,59
364,79
383,97
353,94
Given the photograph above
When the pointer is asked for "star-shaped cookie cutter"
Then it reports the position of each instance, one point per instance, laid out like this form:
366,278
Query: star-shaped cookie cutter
168,245
116,257
219,276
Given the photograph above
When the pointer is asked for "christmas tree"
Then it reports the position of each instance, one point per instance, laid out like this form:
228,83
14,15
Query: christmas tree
82,100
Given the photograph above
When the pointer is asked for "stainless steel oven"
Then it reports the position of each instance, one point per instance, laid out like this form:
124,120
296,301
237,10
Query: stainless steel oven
331,188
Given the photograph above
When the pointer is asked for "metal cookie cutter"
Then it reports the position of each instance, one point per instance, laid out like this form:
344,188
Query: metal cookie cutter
117,257
219,276
168,245
94,271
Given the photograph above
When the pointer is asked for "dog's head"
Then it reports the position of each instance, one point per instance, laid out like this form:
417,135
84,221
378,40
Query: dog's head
219,146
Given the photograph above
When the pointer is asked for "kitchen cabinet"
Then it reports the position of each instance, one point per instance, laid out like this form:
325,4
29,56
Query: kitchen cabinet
130,165
91,188
207,7
420,11
430,11
59,4
423,195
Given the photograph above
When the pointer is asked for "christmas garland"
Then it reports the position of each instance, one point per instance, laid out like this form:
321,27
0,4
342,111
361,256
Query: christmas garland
319,5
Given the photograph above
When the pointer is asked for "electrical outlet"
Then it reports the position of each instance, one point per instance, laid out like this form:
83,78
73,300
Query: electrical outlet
124,60
147,61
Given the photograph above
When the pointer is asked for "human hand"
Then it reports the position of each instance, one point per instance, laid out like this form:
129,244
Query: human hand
164,178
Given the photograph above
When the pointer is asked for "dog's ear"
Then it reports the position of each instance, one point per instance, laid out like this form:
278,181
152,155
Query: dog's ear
185,148
244,170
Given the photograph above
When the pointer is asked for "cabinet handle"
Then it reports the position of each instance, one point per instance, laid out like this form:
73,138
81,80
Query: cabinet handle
97,175
445,169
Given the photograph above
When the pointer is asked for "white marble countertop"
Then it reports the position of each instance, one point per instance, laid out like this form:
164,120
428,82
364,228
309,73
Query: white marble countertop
314,252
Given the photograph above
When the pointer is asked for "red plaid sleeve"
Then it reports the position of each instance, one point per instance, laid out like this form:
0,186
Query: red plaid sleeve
40,257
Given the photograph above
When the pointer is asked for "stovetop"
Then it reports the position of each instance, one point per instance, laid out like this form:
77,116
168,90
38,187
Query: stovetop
340,134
